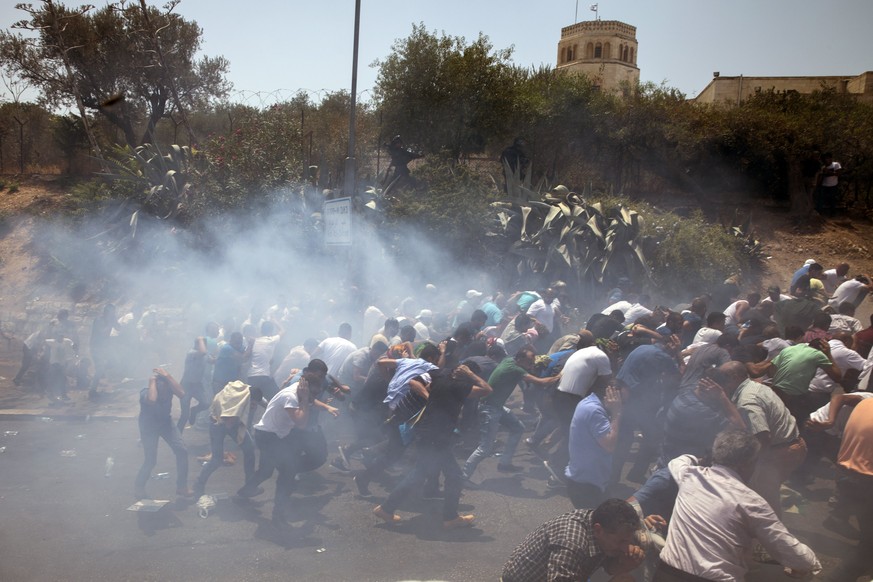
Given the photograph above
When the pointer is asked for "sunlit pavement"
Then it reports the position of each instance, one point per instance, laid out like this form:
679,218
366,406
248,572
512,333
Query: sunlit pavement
61,518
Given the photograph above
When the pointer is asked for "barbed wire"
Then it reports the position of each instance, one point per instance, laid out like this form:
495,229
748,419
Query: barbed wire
261,99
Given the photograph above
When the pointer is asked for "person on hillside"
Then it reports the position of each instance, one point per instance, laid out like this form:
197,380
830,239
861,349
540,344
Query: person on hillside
828,197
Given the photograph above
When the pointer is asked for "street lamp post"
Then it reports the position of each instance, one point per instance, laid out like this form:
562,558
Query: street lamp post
349,188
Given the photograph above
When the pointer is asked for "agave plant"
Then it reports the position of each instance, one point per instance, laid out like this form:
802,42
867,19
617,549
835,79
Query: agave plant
162,175
563,237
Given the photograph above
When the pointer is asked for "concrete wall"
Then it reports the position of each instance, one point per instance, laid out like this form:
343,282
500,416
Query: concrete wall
732,90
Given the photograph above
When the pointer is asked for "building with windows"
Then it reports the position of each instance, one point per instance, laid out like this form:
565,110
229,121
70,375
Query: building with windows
734,90
604,50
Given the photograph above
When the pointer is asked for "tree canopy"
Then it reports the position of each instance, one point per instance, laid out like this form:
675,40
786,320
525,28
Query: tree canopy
442,93
133,64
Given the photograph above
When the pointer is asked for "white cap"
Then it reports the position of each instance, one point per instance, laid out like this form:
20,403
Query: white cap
473,294
808,262
424,314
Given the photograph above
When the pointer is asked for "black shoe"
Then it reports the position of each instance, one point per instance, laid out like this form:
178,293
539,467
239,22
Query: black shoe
508,468
363,486
246,491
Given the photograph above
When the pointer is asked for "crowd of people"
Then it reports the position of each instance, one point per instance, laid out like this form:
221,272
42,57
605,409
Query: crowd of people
727,398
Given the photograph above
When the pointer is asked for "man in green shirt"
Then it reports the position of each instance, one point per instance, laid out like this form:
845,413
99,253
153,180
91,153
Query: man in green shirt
493,414
793,370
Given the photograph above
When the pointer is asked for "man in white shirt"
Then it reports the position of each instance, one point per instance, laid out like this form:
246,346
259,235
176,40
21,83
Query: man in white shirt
334,350
735,313
543,309
845,320
638,310
278,436
827,198
260,378
717,516
854,291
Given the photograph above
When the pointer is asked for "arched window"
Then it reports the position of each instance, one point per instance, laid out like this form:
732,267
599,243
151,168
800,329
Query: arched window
621,52
607,51
624,57
598,51
589,51
563,57
632,60
575,52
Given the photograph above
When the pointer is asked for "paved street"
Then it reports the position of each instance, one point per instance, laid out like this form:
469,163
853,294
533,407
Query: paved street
62,519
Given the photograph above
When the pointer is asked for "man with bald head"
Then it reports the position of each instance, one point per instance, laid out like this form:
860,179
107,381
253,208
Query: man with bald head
588,368
768,419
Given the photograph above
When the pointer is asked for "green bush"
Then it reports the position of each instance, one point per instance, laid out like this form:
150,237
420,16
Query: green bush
448,201
691,256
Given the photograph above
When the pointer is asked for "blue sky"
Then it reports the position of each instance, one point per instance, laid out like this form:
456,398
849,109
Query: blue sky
278,47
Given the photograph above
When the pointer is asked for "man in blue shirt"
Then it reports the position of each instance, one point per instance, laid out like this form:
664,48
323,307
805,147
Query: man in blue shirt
594,433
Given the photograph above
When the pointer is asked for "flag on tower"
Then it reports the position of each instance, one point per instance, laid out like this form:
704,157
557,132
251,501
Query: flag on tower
594,8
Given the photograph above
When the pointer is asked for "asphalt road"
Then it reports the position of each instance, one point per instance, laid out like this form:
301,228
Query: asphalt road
62,519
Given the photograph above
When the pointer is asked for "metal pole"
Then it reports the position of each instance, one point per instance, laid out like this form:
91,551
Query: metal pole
349,188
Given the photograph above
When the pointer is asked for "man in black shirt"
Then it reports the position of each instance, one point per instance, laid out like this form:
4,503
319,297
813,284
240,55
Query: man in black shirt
446,394
155,404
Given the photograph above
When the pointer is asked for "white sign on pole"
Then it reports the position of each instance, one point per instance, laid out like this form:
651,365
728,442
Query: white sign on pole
338,222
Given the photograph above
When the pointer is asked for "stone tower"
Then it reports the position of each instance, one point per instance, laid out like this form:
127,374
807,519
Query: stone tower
605,50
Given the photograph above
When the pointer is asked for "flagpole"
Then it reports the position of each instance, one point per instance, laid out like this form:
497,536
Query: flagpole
576,17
